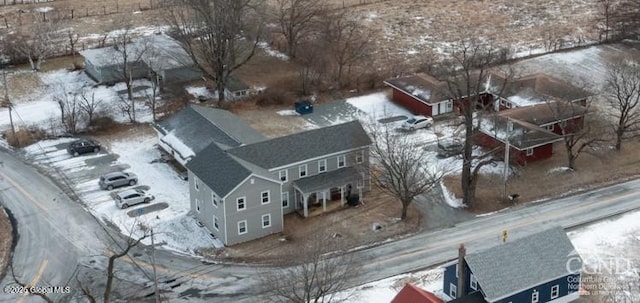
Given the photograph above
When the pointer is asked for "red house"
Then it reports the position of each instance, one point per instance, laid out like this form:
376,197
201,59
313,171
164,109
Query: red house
413,294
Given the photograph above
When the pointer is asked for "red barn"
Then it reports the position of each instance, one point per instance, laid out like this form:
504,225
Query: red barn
421,94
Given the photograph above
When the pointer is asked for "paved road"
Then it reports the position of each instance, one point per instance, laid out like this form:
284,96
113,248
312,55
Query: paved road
56,234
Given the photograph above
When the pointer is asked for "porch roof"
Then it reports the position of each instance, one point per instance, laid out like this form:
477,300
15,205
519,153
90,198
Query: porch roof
334,178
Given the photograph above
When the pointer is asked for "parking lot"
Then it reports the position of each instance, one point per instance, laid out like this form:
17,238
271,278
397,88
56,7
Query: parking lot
133,152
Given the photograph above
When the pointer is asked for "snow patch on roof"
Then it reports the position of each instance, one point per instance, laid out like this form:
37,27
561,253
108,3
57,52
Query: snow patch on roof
524,101
177,145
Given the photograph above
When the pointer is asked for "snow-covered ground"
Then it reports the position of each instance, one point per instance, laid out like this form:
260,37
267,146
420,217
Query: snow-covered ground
602,240
39,106
172,226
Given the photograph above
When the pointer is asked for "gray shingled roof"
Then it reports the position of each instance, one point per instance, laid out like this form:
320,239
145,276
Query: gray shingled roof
327,180
217,169
198,126
289,149
521,264
230,124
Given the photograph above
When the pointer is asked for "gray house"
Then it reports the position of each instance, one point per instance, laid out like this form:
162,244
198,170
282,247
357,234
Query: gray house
158,55
242,193
192,129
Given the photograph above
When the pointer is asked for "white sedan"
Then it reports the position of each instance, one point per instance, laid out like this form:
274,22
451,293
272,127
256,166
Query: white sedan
417,122
130,197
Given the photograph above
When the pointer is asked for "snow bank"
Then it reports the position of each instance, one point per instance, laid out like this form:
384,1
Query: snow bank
378,106
450,198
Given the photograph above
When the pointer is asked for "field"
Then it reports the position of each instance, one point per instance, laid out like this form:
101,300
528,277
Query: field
404,30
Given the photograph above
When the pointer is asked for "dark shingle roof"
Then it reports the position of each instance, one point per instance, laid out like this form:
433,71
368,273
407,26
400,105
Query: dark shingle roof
198,126
545,113
217,169
289,149
522,136
522,264
234,84
421,86
326,180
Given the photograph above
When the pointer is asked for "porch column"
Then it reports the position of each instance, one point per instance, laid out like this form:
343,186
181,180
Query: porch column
360,194
304,205
324,201
342,195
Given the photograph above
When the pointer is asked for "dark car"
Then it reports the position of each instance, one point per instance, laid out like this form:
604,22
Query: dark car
449,148
117,179
83,146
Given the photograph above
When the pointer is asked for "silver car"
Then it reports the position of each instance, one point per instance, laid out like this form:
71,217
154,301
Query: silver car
117,179
129,197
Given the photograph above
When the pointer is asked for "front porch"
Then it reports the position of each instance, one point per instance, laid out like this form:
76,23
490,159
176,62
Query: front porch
326,191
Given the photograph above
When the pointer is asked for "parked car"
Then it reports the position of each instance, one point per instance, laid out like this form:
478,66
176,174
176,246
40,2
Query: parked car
449,148
417,122
112,180
83,146
129,197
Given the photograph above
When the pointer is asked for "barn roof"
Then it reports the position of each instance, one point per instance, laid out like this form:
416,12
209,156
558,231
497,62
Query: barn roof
412,294
546,112
522,135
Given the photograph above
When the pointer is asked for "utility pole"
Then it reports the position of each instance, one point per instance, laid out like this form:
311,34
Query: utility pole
7,103
505,175
155,277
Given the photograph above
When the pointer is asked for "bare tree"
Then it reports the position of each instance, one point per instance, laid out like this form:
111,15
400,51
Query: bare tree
38,41
72,38
312,65
297,19
607,8
317,280
69,106
400,166
131,243
347,43
219,35
467,87
622,88
128,57
89,104
582,130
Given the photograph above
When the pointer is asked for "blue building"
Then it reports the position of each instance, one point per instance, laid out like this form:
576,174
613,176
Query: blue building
538,268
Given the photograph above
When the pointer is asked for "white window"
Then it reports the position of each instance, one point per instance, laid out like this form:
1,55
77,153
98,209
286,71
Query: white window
341,161
215,222
322,166
449,105
285,199
555,291
549,127
359,156
242,227
197,205
253,181
283,175
214,199
302,169
453,291
473,282
529,151
534,297
266,220
264,197
242,203
195,183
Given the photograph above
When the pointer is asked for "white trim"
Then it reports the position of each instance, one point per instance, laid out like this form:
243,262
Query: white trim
317,158
533,146
530,151
195,183
456,269
282,195
246,227
262,220
453,291
541,283
268,192
473,282
344,161
286,175
224,216
557,290
244,203
535,296
306,171
215,218
320,169
245,180
360,154
197,205
214,201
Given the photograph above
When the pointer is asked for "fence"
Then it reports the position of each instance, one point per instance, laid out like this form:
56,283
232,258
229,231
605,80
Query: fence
15,2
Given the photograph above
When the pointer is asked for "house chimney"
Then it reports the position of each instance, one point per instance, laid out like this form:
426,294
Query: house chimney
462,272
